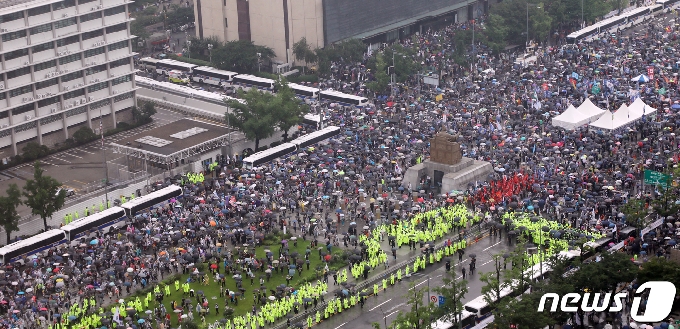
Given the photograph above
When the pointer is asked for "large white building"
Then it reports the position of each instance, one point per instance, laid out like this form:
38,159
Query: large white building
64,62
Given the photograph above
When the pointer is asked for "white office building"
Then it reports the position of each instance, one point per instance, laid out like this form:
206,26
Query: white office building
64,63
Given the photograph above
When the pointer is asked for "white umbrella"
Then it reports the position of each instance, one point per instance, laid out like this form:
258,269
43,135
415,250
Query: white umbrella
640,78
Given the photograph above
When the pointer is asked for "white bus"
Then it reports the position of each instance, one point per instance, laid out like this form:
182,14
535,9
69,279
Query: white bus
343,99
304,92
166,65
466,319
667,3
94,222
33,245
313,120
248,81
212,76
148,64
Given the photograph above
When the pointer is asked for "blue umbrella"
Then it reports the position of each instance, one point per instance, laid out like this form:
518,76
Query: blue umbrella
95,241
140,321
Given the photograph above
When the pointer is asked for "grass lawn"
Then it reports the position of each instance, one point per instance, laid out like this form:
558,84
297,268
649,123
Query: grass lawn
245,302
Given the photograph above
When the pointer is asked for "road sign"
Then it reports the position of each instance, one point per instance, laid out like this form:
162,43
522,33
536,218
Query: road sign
656,178
434,299
441,301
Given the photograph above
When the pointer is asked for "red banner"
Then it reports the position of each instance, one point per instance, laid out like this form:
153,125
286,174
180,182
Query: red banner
650,73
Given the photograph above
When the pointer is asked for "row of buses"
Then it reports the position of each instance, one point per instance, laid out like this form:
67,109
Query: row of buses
220,78
479,308
74,231
623,20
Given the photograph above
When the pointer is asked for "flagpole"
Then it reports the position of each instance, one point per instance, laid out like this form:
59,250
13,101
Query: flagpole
106,166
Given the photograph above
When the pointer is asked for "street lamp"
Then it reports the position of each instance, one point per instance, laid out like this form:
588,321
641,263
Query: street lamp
189,48
527,44
210,47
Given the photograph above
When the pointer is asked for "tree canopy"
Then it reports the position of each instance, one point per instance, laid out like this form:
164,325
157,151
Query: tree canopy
9,217
41,194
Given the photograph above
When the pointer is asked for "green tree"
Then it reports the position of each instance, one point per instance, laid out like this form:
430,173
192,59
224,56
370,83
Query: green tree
288,109
41,194
635,212
659,269
83,135
420,313
241,56
303,52
404,63
496,33
255,117
9,217
345,52
33,151
178,15
143,112
381,79
665,204
453,291
493,281
136,28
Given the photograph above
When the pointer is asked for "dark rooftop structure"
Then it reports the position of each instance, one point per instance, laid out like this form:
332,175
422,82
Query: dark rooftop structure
175,141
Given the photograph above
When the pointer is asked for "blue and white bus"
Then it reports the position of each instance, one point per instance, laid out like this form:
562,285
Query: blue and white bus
315,137
166,65
31,246
343,99
98,221
304,92
212,76
145,202
247,81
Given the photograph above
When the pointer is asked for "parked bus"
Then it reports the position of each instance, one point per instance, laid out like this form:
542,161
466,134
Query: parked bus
164,66
212,76
315,121
251,81
343,99
310,139
101,220
267,155
667,3
148,64
31,246
304,92
466,320
133,206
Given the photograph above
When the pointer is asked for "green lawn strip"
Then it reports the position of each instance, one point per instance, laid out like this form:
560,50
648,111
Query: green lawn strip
246,301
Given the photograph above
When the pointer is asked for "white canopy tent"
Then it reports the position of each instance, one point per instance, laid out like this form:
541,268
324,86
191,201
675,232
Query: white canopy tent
605,122
639,107
591,111
621,118
570,119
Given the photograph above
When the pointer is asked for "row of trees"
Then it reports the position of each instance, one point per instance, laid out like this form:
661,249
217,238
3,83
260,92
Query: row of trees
262,113
603,276
240,56
39,193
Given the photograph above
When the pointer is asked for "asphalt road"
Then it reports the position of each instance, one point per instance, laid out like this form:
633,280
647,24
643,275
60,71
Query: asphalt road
388,304
80,168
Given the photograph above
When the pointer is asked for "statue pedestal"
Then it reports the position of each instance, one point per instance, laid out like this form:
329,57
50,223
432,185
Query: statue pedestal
456,177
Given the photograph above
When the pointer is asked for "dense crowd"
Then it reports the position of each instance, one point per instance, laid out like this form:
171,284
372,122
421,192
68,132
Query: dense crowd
578,179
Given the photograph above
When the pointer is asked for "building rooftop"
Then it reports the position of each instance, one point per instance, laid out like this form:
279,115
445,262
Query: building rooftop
174,137
6,4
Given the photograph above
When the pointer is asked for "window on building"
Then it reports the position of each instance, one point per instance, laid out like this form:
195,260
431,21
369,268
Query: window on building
39,10
48,101
93,34
114,10
67,41
44,65
116,28
20,91
119,80
23,109
4,114
3,96
18,72
80,2
226,24
97,86
118,45
95,52
90,16
95,69
43,47
41,28
11,17
122,97
16,54
72,76
46,83
13,35
63,4
74,94
65,22
69,59
120,62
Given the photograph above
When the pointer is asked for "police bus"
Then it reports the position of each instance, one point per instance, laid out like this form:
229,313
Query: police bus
343,99
212,76
31,246
148,64
100,220
166,65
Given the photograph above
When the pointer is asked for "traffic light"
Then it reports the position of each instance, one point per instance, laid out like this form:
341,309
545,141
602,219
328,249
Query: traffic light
390,70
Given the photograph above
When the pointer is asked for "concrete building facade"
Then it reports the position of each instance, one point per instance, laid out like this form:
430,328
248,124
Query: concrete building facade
63,64
281,23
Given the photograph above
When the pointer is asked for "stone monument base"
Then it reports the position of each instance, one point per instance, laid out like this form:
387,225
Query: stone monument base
456,177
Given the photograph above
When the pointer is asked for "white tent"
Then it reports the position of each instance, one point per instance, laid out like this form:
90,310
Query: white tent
639,107
570,119
605,122
591,111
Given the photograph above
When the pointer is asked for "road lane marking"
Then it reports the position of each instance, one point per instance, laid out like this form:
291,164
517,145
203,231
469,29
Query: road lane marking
418,284
381,304
396,306
486,263
86,151
386,316
60,159
491,246
341,325
72,155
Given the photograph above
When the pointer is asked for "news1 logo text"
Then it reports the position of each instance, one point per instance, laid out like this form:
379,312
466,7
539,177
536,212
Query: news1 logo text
658,307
